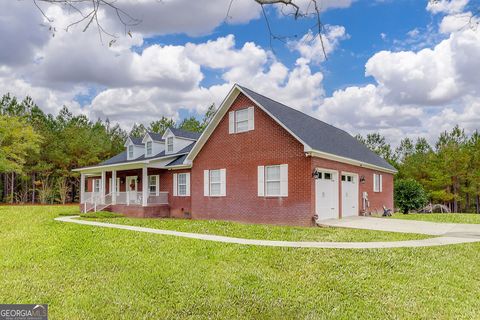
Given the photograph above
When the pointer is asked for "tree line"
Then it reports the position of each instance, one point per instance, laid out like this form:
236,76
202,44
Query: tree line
38,151
448,170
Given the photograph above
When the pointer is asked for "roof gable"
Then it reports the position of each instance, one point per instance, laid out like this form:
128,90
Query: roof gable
315,135
157,137
319,135
133,140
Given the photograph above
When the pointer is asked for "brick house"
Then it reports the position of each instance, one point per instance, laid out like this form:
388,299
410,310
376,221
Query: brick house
258,161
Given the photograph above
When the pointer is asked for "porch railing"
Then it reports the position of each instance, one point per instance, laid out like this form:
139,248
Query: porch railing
94,201
162,198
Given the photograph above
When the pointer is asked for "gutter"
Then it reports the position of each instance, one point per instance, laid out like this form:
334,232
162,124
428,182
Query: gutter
320,154
146,161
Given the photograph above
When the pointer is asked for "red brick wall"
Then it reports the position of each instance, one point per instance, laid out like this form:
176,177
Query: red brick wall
377,199
240,154
178,205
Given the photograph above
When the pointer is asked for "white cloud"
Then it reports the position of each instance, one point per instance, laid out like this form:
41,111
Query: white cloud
446,6
249,65
311,47
416,93
21,35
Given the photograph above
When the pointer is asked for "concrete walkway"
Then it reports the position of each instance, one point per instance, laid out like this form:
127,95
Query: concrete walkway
438,241
406,226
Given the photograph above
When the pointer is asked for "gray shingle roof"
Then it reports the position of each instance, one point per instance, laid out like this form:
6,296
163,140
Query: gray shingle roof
177,161
136,141
185,134
155,136
122,157
317,134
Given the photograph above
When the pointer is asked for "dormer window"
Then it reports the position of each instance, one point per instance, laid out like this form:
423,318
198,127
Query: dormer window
170,144
149,148
130,151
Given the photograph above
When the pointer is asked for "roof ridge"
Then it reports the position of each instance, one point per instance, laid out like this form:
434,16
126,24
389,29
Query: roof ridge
296,110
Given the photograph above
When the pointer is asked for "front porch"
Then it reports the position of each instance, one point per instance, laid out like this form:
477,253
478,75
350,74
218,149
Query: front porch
134,192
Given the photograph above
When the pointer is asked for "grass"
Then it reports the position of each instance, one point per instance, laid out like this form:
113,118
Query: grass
101,215
87,272
441,217
266,232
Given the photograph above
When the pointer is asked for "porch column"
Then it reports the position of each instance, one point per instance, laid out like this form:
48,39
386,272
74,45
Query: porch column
102,187
144,186
82,188
114,186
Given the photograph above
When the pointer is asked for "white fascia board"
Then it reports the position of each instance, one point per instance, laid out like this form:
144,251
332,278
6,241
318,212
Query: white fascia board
127,165
329,156
179,166
146,138
226,104
128,142
305,145
165,134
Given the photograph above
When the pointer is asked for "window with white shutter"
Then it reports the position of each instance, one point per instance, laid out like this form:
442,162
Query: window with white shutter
377,182
214,182
273,181
241,120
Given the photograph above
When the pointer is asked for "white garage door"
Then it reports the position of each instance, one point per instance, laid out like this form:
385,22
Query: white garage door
326,195
349,195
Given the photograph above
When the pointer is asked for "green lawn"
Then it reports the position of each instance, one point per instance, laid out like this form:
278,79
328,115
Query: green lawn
441,217
264,232
89,272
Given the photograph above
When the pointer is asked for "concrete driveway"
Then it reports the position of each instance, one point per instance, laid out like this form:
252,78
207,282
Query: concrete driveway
406,226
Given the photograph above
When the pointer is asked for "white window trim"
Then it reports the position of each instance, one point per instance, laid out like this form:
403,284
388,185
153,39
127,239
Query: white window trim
149,150
237,122
233,120
94,185
207,183
377,188
275,180
131,151
176,184
262,181
169,144
157,184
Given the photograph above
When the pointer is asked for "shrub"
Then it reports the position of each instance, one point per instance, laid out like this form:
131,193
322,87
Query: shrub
409,195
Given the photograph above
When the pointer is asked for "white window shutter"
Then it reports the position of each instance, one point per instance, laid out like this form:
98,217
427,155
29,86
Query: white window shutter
175,193
231,122
381,183
109,185
187,180
261,181
206,183
251,124
284,180
223,182
157,185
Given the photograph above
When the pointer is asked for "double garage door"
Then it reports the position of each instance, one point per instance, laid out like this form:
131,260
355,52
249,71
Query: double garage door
327,194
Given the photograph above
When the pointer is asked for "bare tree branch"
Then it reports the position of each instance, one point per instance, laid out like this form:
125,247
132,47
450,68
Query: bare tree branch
88,11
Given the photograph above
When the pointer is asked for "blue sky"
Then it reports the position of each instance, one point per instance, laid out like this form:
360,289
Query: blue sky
364,22
401,68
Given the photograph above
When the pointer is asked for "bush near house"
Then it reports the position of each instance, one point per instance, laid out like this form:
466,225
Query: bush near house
409,195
